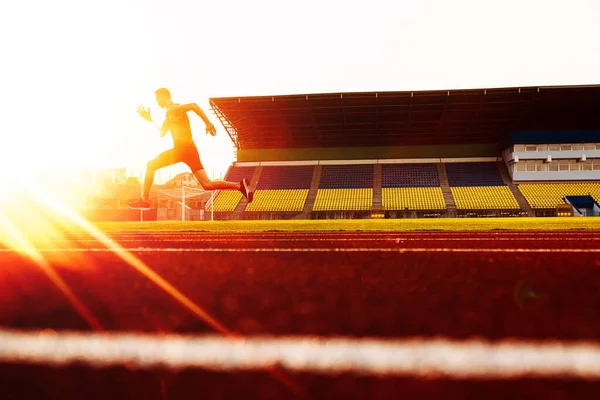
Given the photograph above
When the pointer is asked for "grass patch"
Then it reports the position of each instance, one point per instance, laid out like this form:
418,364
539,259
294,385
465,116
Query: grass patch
428,224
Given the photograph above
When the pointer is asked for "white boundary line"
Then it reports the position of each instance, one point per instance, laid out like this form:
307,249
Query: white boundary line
473,359
283,236
313,239
301,250
359,234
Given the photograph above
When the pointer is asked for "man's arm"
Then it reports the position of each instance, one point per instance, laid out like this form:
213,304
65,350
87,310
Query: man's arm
146,115
177,109
162,129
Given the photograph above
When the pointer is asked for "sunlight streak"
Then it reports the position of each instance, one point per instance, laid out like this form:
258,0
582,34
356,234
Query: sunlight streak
11,236
130,259
63,218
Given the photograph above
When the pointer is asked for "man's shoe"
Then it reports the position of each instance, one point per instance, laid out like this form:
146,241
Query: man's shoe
139,205
248,194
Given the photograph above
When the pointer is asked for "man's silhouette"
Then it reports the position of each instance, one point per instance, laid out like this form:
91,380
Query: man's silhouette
184,149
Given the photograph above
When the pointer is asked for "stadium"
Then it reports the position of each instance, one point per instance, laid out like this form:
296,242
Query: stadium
434,244
496,152
478,152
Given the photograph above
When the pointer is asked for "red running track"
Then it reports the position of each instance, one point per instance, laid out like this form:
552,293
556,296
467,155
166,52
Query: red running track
495,285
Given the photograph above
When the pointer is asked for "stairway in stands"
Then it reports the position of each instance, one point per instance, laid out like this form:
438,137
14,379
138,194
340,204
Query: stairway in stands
450,206
312,193
514,189
377,178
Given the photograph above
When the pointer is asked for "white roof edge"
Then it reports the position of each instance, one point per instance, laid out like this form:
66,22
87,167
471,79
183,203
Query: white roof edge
367,161
346,162
282,163
410,161
471,159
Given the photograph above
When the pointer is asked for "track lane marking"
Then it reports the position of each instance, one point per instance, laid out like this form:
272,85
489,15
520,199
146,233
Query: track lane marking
180,240
472,359
307,250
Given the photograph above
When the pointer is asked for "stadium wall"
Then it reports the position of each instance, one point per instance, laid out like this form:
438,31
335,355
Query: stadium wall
555,176
375,152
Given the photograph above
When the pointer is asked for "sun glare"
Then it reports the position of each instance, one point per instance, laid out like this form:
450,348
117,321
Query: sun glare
34,218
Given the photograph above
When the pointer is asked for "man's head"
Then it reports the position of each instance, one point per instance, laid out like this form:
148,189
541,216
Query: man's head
163,97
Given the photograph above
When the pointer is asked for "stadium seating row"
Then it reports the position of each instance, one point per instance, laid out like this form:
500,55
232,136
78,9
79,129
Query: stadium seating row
548,195
404,187
473,174
418,198
278,200
343,199
347,177
409,175
285,177
484,197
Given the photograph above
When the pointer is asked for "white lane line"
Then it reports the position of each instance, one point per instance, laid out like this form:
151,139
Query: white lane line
356,234
284,239
473,359
499,232
304,250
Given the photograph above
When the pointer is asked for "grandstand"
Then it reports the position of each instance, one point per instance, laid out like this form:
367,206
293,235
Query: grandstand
477,152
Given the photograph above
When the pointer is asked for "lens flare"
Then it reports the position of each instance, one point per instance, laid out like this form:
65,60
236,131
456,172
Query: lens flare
12,237
42,217
129,258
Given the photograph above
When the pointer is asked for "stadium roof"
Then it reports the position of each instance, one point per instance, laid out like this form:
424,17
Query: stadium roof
404,118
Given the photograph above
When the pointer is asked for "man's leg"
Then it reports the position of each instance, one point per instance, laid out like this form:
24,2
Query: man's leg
190,156
148,180
163,160
218,184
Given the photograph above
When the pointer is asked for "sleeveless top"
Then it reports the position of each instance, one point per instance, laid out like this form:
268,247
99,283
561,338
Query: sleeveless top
181,131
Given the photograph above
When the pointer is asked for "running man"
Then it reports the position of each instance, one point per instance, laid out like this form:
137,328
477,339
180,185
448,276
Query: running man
184,149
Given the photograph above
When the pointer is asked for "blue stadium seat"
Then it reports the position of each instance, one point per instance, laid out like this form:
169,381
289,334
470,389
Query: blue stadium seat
347,176
286,177
409,175
473,174
236,174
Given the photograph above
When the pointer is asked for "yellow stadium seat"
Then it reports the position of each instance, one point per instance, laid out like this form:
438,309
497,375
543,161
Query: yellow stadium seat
343,199
483,197
415,198
278,200
549,195
227,200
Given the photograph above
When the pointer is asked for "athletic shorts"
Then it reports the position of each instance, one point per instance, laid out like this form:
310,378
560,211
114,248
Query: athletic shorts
187,154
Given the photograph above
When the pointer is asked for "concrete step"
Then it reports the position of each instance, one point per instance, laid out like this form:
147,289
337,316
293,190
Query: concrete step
377,185
312,193
448,198
506,178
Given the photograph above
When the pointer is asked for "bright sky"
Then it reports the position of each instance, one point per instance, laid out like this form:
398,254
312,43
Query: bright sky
74,70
